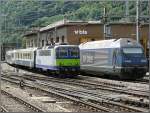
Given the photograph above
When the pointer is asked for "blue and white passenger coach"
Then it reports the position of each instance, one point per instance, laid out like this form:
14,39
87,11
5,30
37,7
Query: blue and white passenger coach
122,57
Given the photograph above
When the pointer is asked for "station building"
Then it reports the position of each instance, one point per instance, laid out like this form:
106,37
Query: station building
76,32
71,32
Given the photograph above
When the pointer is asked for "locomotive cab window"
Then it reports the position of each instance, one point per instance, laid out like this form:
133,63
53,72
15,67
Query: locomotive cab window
61,52
132,50
74,52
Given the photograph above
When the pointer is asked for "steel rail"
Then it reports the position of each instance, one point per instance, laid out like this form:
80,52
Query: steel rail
33,107
129,108
89,104
95,85
3,109
76,93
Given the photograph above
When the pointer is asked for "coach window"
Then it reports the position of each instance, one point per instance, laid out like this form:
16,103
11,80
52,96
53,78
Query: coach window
63,38
57,39
20,55
28,55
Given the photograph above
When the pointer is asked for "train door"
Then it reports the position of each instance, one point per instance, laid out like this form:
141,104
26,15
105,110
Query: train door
34,59
114,59
117,59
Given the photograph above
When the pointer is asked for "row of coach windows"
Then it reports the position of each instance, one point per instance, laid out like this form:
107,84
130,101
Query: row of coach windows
45,53
23,55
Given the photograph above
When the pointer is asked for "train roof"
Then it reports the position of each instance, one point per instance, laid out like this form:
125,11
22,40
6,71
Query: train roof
112,43
27,49
55,46
10,51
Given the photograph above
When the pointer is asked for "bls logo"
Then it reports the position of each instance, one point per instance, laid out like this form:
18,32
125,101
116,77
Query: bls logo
80,32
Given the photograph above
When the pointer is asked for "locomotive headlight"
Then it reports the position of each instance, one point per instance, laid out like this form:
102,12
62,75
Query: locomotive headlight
143,60
77,64
128,61
61,64
73,69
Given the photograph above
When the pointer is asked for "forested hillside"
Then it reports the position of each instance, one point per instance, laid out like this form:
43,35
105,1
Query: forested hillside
18,16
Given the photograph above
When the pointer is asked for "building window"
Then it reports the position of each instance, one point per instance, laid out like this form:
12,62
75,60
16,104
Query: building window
52,40
47,42
63,39
92,39
57,39
42,42
108,31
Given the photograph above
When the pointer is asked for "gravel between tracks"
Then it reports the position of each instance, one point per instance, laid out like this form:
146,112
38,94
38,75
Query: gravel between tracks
56,104
37,101
128,85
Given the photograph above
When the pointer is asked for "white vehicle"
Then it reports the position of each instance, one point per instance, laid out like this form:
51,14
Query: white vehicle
10,57
56,58
25,57
122,57
59,58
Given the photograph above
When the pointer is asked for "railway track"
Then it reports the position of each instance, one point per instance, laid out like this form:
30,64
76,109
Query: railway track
21,101
112,87
88,95
88,105
3,109
94,102
143,81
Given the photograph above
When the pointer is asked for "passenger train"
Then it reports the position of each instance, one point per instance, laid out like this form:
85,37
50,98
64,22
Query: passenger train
58,59
123,58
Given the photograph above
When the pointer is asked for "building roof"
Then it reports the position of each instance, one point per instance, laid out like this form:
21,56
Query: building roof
68,22
111,43
33,31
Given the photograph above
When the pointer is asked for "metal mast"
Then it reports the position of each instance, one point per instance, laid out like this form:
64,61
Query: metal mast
137,20
127,10
0,75
149,48
104,20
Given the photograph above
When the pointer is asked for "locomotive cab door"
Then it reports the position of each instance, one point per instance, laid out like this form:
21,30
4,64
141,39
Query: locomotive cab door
114,59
